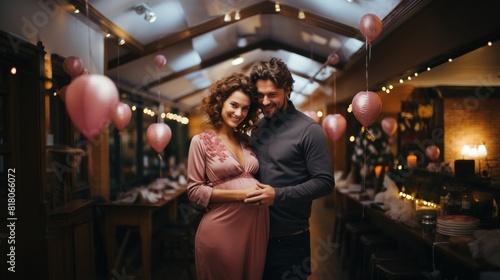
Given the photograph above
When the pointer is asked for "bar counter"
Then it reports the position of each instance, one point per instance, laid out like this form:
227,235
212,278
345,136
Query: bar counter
432,251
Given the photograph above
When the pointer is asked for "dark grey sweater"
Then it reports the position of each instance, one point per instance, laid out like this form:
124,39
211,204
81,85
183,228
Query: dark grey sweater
293,158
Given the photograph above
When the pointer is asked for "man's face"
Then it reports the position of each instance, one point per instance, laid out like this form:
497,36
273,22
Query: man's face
270,97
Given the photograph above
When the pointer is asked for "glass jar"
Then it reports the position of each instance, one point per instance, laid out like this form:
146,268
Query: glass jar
428,224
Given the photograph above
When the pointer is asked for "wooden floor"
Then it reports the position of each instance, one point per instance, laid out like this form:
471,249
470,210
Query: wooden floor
325,262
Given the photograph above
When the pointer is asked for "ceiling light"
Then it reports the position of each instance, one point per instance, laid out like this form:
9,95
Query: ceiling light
121,41
237,15
227,17
237,61
301,15
149,15
242,42
76,11
277,7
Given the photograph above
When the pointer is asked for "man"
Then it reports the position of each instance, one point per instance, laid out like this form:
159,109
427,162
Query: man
294,169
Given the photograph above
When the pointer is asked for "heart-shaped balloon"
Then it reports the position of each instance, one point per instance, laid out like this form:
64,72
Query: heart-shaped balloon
62,93
90,101
160,61
73,66
334,126
158,136
432,152
389,125
122,115
370,26
312,115
366,106
333,59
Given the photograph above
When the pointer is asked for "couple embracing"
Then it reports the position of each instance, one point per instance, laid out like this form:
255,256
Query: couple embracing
256,178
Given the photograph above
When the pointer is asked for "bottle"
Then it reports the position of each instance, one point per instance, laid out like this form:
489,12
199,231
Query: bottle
428,224
443,202
465,210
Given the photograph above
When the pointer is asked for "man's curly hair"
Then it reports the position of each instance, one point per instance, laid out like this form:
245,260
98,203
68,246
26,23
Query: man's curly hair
275,70
219,92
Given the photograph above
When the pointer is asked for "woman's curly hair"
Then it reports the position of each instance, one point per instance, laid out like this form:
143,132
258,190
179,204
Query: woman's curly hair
219,92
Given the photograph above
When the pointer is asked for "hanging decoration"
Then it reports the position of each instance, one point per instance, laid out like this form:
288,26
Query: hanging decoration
389,125
73,66
366,106
158,135
313,115
122,115
90,101
370,26
333,59
432,152
160,61
334,126
62,93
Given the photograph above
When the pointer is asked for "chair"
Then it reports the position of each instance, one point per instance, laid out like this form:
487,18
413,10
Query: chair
177,239
385,256
351,247
399,270
371,243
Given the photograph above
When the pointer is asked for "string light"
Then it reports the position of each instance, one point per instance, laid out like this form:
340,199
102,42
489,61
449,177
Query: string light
277,7
301,15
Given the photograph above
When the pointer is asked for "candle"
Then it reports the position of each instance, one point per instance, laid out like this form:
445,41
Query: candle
412,161
378,170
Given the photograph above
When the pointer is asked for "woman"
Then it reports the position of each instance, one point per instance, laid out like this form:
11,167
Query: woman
232,236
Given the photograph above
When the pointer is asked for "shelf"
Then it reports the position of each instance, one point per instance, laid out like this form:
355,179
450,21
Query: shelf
65,150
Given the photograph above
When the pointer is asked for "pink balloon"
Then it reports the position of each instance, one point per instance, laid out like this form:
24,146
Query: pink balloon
90,102
389,125
312,115
432,152
160,61
62,93
334,126
158,135
366,106
333,59
122,115
73,66
370,26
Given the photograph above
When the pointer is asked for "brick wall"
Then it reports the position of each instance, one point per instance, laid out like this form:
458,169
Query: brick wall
471,120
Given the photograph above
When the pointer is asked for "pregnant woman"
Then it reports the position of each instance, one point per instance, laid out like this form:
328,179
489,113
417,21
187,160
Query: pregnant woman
232,237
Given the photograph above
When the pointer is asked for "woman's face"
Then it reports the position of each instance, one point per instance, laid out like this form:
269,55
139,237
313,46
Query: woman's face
235,109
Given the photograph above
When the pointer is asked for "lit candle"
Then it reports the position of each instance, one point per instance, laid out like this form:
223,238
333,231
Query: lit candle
378,170
412,161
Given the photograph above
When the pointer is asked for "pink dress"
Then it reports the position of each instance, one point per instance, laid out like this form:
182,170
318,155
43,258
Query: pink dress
231,240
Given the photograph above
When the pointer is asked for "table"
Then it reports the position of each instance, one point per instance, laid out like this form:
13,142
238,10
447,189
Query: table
456,257
138,215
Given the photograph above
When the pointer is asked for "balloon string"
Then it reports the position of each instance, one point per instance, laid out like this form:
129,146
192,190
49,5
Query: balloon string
89,158
368,49
88,32
120,161
158,94
334,90
161,159
364,162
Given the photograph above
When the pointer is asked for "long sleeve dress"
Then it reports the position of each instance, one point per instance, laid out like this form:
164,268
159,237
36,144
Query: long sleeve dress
232,237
